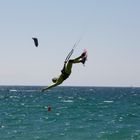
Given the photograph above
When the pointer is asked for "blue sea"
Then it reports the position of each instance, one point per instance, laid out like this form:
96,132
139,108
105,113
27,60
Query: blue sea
69,113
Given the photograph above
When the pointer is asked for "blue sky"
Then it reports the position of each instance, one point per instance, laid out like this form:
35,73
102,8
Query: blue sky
109,30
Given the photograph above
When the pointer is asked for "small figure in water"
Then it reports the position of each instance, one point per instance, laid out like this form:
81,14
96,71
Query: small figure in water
49,108
66,71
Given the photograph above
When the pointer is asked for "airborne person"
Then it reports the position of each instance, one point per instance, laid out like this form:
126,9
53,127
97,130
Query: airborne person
66,71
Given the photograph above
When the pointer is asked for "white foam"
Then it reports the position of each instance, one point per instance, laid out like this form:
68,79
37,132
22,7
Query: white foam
80,98
2,126
108,101
67,123
57,114
70,97
13,90
68,101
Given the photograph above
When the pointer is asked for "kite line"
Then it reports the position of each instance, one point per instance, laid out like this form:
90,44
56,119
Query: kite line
72,50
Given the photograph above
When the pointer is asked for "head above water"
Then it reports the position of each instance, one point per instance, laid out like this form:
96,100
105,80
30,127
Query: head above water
54,80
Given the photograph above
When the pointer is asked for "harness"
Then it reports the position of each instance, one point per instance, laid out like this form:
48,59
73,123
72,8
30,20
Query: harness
64,74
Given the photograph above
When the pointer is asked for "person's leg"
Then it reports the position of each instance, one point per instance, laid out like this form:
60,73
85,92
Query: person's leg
74,61
71,62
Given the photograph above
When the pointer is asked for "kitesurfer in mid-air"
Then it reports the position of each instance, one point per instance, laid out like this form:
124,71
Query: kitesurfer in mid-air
66,71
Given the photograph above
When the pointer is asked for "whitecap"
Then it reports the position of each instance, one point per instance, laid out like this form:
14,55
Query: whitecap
11,97
80,98
70,97
28,90
65,107
46,118
22,104
67,123
91,89
57,114
108,101
13,90
100,115
68,101
2,126
121,119
62,134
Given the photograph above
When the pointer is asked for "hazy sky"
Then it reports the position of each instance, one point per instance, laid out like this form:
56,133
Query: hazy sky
110,31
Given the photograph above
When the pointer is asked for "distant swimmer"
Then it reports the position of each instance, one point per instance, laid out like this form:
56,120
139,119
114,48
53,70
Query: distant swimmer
49,108
35,41
66,71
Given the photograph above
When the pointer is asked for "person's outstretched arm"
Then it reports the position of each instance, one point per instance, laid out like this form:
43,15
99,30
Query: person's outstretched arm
59,81
51,86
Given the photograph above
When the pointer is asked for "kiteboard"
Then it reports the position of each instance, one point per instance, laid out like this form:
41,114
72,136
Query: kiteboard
84,57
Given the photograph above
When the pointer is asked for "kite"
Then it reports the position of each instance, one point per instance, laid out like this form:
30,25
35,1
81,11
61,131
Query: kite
35,41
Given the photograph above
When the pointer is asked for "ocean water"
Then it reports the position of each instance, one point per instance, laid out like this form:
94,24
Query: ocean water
76,113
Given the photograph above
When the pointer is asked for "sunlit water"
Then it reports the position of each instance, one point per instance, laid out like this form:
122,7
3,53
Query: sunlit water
77,113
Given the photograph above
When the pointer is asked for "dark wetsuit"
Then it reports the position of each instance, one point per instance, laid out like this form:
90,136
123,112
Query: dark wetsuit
64,74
